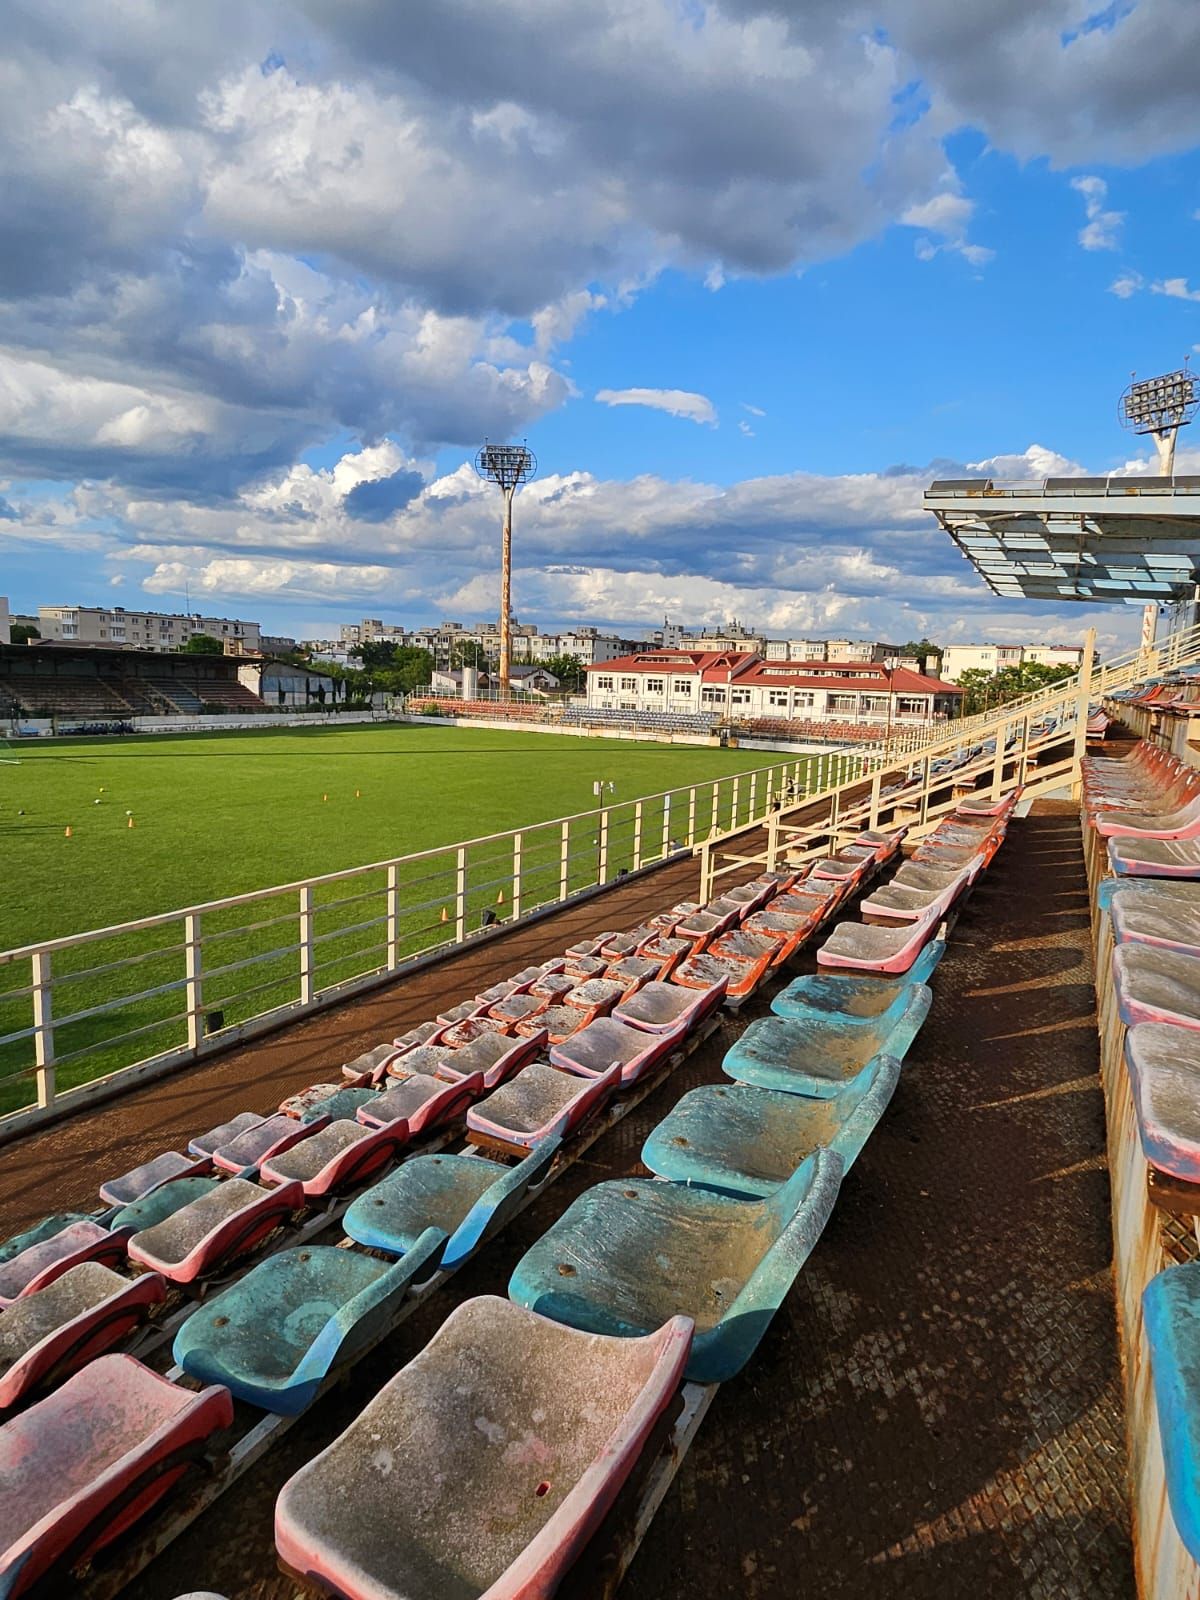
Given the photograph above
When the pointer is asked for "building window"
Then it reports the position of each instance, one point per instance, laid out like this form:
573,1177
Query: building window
712,696
628,684
656,686
604,683
875,705
682,686
777,697
842,702
805,700
739,697
911,706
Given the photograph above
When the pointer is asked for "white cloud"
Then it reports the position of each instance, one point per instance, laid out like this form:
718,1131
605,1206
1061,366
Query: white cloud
755,411
947,215
1102,227
675,402
1127,284
744,427
1175,289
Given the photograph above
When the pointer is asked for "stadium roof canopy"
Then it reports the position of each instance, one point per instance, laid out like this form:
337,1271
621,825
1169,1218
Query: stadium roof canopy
1134,539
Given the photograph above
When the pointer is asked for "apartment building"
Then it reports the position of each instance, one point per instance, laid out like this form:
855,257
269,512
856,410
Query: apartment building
990,658
140,630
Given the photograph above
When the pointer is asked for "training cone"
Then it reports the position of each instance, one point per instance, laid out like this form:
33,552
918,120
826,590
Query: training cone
445,913
358,794
324,797
500,898
129,824
67,835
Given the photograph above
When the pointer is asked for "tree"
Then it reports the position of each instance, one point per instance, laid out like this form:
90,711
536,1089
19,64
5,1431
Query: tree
569,671
394,668
983,690
922,649
470,653
23,632
203,644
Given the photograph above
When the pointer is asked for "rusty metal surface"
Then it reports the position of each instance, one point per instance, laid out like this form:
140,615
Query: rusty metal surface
936,1409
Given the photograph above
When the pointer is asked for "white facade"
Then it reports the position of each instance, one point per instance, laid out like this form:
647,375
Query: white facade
278,683
990,658
120,629
5,622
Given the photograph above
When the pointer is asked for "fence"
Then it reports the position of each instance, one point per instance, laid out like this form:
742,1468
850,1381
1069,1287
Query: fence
83,1014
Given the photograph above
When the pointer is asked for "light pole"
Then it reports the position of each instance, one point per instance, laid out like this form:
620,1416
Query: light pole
1159,407
506,465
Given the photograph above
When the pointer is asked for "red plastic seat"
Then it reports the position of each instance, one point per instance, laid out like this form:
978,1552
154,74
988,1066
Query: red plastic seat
41,1263
214,1229
342,1155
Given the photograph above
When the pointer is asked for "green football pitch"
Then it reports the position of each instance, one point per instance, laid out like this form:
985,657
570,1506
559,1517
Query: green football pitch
220,814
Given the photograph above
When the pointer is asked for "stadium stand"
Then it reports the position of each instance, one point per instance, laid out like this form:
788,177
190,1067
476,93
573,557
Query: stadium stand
97,685
105,1442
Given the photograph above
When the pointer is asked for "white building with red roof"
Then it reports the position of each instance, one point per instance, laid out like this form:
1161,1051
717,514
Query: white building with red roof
741,686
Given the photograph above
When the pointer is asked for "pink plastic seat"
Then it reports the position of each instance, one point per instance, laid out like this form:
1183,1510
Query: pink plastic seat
427,1060
41,1263
709,967
515,1008
633,971
91,1459
1154,858
215,1228
580,968
256,1145
663,1007
464,1032
151,1175
553,985
981,805
863,948
423,1103
341,1156
1161,1059
495,1056
555,1022
1166,914
1153,984
1183,823
47,1336
591,1052
538,1102
595,995
305,1099
204,1144
514,1435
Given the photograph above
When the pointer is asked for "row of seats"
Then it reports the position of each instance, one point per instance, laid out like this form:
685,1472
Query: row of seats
1145,811
657,721
1175,693
66,696
504,710
273,1337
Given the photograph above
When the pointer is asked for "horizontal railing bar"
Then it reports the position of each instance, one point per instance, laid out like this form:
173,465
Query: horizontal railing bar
350,927
115,966
117,1002
176,1019
209,973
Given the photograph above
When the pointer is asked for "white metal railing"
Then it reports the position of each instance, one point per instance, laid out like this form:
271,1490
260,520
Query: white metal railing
79,1014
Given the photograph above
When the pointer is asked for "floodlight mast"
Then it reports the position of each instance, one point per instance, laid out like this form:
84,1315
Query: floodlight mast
506,465
1160,407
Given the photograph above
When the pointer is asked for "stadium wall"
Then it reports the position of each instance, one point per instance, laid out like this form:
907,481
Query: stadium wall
642,735
46,727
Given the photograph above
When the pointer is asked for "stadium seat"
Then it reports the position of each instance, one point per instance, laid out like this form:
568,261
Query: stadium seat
1156,985
516,1007
859,947
746,1141
666,949
161,1202
556,1022
581,967
708,968
1156,913
206,1144
246,1152
40,1263
1171,1303
139,1182
91,1459
1162,1060
662,1007
626,1257
596,996
551,986
38,1231
851,999
494,1056
463,1199
631,972
819,1058
274,1337
421,1102
515,1519
538,1102
341,1156
218,1227
453,1038
1154,858
591,1052
47,1336
424,1060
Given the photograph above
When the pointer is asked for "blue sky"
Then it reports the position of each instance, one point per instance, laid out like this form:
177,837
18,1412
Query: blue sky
745,275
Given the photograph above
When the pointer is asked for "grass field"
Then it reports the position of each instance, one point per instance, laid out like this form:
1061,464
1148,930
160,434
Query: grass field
223,814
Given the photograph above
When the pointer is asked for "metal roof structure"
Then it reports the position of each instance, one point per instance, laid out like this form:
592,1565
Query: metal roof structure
1091,539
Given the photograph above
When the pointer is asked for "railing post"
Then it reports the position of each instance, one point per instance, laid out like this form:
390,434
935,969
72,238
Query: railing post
193,986
998,760
1023,766
772,841
691,816
602,861
666,838
393,915
737,786
637,835
518,845
564,862
714,821
923,813
705,872
43,1025
1079,749
460,894
876,785
306,944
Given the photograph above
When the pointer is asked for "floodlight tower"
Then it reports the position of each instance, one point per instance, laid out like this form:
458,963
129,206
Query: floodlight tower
1160,407
506,465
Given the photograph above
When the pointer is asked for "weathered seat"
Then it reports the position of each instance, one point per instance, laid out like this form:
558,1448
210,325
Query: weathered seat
341,1156
214,1229
91,1459
464,1199
666,949
1162,1061
626,1256
52,1255
1171,1302
247,1151
708,967
37,1231
703,925
554,1022
515,1007
459,1012
508,1438
471,1028
205,1144
844,870
901,902
161,1203
818,1057
631,972
421,1102
142,1180
983,805
1156,985
425,1060
591,1052
1156,913
865,948
298,1104
597,996
581,967
664,1007
747,1141
1155,858
852,999
494,1056
47,1336
343,1103
552,986
274,1337
538,1102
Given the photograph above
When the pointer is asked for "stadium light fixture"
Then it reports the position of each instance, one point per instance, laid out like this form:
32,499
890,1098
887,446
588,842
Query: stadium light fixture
1160,407
507,466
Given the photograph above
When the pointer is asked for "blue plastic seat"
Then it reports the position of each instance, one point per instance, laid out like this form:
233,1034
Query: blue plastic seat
1171,1302
274,1337
465,1198
625,1257
852,999
747,1141
819,1057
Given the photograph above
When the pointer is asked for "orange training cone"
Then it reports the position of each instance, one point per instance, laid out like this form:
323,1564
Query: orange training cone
324,797
66,833
500,898
358,794
445,913
130,823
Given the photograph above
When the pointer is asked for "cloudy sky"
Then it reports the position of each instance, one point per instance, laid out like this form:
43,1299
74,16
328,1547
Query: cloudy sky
746,275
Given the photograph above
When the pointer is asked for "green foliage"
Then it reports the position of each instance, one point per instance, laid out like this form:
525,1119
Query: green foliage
986,690
22,632
394,668
568,669
203,644
923,649
469,654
